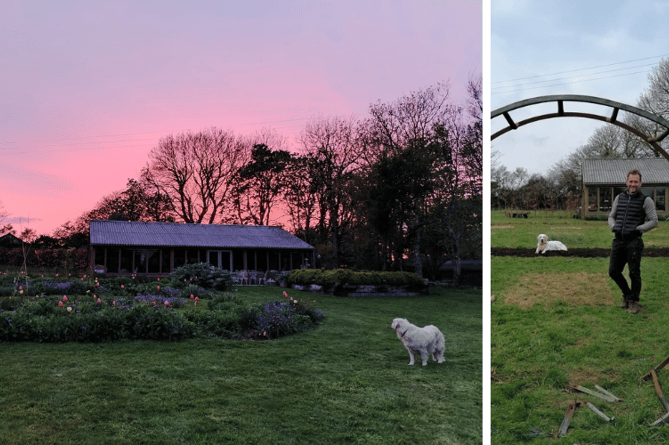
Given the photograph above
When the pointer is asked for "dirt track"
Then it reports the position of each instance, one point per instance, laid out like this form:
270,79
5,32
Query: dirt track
583,253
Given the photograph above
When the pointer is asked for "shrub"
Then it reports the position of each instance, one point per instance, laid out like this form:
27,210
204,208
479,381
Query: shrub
194,290
202,274
278,318
344,277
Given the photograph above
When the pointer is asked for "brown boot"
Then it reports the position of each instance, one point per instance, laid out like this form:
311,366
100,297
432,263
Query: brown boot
633,307
626,303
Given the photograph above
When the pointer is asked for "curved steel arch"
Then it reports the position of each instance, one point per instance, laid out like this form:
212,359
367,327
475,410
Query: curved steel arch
612,119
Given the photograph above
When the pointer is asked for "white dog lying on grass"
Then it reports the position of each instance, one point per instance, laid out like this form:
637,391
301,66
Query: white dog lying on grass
424,341
543,244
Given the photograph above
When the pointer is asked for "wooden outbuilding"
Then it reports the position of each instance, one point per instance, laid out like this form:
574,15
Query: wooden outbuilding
157,248
10,240
604,179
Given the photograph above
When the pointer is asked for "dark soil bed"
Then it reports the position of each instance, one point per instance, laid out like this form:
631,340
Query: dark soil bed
583,253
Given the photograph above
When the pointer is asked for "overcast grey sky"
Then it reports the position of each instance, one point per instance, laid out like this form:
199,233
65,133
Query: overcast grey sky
597,48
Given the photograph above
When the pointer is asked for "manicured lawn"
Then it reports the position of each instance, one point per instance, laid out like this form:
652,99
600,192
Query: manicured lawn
347,381
538,351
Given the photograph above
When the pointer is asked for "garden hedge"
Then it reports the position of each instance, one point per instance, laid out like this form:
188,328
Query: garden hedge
345,277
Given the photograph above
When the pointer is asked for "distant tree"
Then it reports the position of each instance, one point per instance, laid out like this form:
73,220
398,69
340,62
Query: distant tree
424,117
472,150
3,213
7,228
331,144
538,193
259,183
507,186
655,100
46,242
195,170
28,235
301,195
138,202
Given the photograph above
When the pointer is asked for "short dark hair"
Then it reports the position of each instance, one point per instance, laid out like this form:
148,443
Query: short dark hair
633,172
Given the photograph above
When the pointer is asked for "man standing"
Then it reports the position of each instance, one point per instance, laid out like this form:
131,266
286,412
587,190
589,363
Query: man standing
632,214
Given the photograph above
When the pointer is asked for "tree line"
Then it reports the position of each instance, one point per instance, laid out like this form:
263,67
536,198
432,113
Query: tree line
399,189
560,187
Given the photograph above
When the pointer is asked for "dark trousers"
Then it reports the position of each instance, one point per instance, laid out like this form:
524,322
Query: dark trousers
627,252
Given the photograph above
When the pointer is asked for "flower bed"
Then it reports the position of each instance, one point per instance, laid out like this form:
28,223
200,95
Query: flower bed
126,309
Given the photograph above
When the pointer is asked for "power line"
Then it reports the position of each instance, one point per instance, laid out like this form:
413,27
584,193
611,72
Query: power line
522,88
584,75
580,69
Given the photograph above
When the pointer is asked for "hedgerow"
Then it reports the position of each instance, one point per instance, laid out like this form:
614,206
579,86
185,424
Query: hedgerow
345,277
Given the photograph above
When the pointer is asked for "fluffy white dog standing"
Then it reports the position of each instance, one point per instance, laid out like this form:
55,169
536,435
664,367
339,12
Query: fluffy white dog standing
424,341
543,245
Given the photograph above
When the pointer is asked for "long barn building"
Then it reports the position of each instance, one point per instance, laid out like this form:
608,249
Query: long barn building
157,248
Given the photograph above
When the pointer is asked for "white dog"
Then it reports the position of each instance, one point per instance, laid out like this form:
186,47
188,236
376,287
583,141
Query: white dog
424,341
543,245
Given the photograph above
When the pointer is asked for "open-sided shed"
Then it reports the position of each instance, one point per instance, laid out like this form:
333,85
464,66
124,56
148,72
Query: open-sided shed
604,179
157,248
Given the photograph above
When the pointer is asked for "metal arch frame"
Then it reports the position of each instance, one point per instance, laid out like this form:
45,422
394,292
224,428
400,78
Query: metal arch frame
612,119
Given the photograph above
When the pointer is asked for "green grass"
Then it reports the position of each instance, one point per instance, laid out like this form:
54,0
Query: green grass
575,233
537,353
347,381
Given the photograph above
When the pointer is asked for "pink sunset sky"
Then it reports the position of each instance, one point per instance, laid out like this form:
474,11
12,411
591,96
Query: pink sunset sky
88,88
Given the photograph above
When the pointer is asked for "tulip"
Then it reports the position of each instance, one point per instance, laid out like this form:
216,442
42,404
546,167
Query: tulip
154,302
122,286
158,287
285,295
20,287
69,309
99,301
114,303
64,297
60,304
197,298
191,296
167,303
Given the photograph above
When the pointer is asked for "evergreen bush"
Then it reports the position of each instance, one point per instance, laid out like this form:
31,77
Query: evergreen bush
202,274
344,277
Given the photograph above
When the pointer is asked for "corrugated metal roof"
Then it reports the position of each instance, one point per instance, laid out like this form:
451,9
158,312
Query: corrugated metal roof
614,171
130,233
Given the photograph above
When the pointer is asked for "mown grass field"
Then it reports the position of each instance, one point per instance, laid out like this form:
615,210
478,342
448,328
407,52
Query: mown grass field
575,233
347,381
556,324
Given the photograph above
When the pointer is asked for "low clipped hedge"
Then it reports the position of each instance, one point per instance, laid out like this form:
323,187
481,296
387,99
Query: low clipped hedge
344,277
